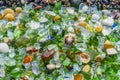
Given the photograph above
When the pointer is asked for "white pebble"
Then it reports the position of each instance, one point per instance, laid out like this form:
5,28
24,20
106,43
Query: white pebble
108,21
111,51
4,48
51,66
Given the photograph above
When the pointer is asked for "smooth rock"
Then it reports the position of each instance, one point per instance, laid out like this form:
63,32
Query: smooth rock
4,48
51,66
108,21
111,51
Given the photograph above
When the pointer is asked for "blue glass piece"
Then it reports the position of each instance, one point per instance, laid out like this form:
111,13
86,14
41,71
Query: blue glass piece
50,37
114,25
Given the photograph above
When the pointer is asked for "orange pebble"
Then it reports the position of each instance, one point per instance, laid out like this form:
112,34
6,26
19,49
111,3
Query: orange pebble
9,17
99,29
27,59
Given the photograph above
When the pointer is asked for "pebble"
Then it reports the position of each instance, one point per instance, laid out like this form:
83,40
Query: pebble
51,66
108,21
111,51
4,48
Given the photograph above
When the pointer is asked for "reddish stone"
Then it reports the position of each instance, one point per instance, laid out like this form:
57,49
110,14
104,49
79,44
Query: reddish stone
35,50
47,54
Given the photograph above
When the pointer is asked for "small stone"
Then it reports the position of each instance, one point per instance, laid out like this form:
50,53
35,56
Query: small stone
4,48
47,54
84,58
86,68
18,9
78,77
8,11
108,21
51,66
111,51
9,17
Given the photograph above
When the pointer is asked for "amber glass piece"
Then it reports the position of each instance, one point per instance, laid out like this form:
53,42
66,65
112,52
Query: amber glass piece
27,59
78,77
9,17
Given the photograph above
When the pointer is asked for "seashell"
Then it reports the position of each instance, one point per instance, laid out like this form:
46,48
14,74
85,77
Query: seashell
4,48
84,58
70,38
108,21
86,68
111,51
51,66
